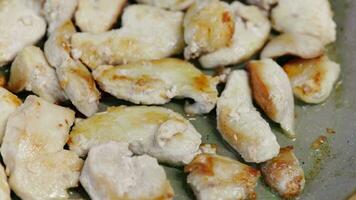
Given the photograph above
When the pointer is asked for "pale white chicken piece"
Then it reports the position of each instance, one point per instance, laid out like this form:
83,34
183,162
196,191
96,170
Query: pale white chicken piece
284,174
58,12
112,172
300,45
97,16
4,186
156,82
208,26
216,177
241,125
273,92
31,72
19,26
169,4
252,29
312,80
32,150
313,18
8,104
156,131
147,33
264,4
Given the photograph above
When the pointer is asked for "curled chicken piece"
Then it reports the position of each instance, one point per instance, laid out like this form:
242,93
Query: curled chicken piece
273,92
4,186
216,177
284,174
208,26
8,104
312,80
156,82
156,131
97,16
147,33
252,29
31,72
313,18
264,4
112,172
58,12
38,166
169,4
300,45
19,26
240,123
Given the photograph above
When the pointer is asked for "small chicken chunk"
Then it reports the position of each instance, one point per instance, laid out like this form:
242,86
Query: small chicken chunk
58,12
208,26
252,29
284,174
216,177
32,150
156,131
241,125
273,92
147,33
4,186
156,82
312,80
97,16
112,172
8,104
31,72
313,18
300,45
19,26
169,4
264,4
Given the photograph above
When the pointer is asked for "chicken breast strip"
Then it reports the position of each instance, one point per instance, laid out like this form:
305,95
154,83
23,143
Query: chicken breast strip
273,92
241,125
19,26
112,172
216,177
157,82
32,150
4,186
31,72
252,29
97,16
156,131
284,174
312,80
147,33
169,4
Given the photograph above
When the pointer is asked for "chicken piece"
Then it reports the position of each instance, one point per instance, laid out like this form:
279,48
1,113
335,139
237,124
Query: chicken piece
4,186
31,72
156,82
112,172
241,125
264,4
79,86
97,16
312,80
156,131
303,46
252,29
33,152
313,18
169,4
273,92
8,104
147,33
208,26
216,177
58,12
284,174
19,26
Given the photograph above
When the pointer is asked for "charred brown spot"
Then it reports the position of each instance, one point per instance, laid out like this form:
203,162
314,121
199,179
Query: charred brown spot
226,17
202,164
318,142
202,83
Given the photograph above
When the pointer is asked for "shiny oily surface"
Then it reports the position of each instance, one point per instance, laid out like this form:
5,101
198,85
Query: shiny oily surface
326,133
